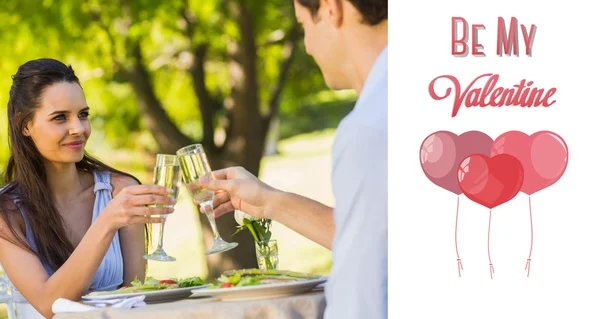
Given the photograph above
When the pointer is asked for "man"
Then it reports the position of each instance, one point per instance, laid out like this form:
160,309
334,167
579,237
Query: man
348,39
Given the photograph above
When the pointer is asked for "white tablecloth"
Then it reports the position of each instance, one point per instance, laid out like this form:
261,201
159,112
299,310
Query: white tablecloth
309,305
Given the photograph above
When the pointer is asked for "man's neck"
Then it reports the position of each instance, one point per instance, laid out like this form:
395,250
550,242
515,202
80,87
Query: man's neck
365,46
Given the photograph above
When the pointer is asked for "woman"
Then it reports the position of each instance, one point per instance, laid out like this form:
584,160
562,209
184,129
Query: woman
69,223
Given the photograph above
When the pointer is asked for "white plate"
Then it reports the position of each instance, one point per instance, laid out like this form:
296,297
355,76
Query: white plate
261,291
151,296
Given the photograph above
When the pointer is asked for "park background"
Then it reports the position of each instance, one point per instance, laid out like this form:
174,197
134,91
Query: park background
232,75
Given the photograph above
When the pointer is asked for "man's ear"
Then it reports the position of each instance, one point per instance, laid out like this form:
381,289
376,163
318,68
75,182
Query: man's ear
334,11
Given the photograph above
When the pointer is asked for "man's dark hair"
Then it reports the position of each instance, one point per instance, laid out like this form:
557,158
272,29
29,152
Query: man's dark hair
372,11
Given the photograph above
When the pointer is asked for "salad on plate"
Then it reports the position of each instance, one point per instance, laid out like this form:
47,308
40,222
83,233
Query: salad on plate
251,277
151,284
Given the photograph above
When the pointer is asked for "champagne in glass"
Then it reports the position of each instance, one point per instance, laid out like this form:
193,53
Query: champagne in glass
194,165
166,173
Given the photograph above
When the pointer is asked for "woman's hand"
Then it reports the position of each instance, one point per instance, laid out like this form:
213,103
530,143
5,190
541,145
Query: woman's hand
130,206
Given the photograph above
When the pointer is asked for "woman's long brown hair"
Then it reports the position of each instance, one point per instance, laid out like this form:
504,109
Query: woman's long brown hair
25,173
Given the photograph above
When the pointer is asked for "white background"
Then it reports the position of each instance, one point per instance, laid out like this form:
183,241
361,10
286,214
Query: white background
565,269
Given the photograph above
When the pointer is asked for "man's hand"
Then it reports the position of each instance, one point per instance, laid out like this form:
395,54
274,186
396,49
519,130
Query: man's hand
236,188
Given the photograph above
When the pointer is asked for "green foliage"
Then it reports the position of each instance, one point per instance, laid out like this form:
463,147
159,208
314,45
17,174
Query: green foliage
319,111
93,35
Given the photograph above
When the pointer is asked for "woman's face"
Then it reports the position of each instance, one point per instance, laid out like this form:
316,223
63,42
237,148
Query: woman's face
60,126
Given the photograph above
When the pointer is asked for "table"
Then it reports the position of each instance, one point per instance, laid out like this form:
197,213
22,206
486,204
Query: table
309,305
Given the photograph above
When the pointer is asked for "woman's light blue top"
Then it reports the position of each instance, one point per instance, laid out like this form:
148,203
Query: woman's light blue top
110,273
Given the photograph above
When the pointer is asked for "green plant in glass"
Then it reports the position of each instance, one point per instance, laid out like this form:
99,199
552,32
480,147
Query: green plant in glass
260,229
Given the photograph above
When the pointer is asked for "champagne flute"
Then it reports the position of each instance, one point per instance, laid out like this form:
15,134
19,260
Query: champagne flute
194,165
166,173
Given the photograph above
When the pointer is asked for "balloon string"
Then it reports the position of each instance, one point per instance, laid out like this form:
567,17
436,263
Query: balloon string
460,267
489,257
528,264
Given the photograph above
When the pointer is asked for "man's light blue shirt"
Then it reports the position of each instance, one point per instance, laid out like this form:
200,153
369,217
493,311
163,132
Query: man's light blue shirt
358,284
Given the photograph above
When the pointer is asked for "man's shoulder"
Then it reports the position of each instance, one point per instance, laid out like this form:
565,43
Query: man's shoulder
368,120
360,142
364,123
370,111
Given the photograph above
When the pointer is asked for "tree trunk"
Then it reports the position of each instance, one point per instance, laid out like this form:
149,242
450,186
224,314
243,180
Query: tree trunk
170,139
272,138
245,142
248,131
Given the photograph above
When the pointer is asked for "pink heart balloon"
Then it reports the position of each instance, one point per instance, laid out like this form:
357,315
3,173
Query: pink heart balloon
442,152
544,156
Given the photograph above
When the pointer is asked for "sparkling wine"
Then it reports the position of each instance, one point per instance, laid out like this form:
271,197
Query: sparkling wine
166,173
167,176
194,166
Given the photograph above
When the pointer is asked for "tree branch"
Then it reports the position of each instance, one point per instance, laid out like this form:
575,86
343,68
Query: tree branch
165,132
288,52
206,103
190,20
205,100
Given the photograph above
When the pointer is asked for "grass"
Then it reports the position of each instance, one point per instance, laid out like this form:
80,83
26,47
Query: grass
302,166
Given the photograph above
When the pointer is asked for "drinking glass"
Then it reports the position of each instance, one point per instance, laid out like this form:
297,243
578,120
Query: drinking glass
194,165
267,255
166,173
